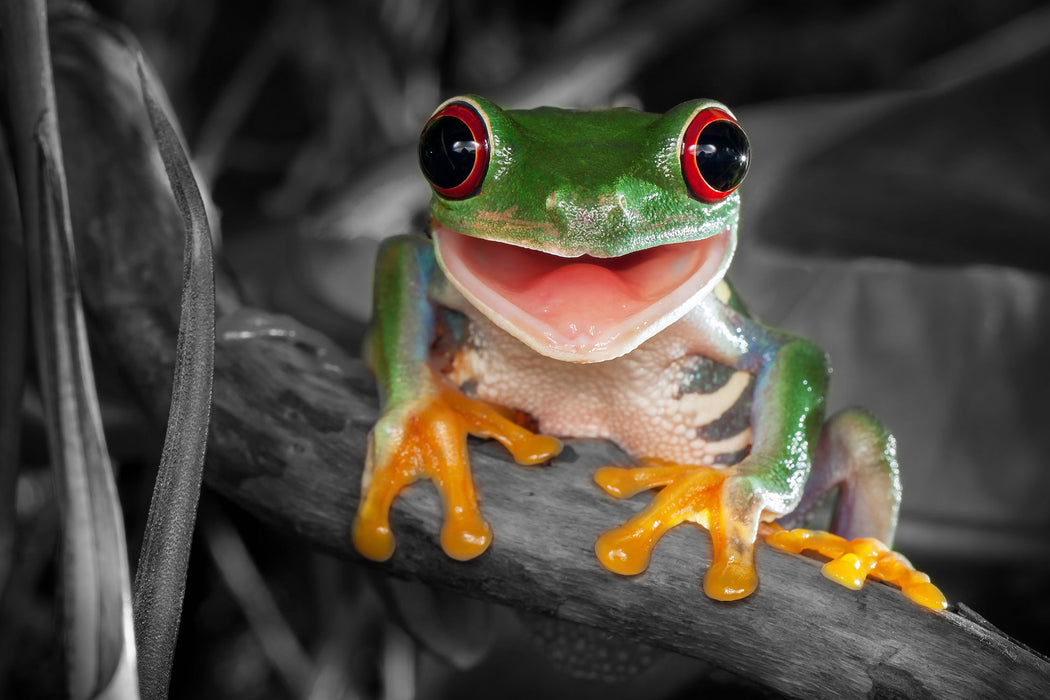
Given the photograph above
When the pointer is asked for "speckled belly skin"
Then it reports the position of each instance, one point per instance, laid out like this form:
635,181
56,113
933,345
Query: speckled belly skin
658,401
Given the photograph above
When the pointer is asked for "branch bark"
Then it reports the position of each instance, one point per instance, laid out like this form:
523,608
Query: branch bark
289,429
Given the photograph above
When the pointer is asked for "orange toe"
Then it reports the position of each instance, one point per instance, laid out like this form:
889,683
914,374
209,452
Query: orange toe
854,561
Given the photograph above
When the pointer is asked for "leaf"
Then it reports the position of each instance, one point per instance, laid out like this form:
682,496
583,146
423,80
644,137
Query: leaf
97,601
160,581
95,578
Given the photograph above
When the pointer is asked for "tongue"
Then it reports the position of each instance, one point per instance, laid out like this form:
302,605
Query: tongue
582,304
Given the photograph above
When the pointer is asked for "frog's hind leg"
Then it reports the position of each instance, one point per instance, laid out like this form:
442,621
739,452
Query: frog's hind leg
857,455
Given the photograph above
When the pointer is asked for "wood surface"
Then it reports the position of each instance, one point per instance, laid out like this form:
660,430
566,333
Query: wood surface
289,427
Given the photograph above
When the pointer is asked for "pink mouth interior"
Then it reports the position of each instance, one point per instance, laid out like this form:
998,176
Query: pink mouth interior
582,302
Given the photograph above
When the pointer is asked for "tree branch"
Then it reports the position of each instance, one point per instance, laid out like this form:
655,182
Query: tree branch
289,425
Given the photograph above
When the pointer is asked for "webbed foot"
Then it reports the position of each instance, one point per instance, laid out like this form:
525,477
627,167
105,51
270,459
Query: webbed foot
852,561
713,498
427,438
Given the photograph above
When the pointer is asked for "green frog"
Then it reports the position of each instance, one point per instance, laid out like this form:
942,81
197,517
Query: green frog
574,284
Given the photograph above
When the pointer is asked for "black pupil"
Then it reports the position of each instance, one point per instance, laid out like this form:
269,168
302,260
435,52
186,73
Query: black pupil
447,151
721,155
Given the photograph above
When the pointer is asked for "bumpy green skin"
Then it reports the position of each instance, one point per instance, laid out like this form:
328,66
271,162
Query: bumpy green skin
607,183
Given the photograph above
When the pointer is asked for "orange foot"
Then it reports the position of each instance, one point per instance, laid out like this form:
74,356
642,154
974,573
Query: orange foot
852,561
693,493
427,438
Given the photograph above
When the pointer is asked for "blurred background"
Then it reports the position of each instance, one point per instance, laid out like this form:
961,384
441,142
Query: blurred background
896,211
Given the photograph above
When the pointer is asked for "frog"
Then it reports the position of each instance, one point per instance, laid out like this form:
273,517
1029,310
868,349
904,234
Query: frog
573,284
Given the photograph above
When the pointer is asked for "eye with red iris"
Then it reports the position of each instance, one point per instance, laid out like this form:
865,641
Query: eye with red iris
454,151
715,155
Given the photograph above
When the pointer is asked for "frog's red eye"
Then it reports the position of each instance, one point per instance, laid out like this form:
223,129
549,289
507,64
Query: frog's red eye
715,155
454,151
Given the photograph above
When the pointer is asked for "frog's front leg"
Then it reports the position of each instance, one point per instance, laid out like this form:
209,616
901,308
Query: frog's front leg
424,423
787,412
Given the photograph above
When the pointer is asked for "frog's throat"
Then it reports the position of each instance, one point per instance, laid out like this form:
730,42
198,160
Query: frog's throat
583,309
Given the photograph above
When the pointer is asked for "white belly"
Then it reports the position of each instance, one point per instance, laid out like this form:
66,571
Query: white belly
636,400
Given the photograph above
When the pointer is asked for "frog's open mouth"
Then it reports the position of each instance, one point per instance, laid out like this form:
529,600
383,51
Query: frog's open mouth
582,309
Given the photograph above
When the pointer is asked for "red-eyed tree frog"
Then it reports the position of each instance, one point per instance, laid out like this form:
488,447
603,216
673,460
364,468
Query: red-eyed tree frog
575,272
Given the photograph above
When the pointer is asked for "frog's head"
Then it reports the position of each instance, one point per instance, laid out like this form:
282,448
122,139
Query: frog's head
583,234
